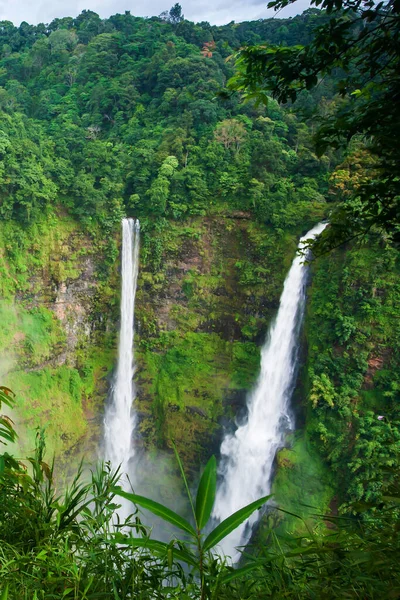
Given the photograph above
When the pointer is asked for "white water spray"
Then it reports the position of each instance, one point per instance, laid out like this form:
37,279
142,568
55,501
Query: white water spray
120,419
248,455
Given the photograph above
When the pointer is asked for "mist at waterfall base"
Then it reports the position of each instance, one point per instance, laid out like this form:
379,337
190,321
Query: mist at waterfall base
247,456
120,419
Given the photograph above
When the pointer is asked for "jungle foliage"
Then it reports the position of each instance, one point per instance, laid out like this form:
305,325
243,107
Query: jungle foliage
357,49
101,118
123,116
353,370
72,545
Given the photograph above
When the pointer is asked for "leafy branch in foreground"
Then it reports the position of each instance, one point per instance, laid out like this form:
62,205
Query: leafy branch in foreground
197,553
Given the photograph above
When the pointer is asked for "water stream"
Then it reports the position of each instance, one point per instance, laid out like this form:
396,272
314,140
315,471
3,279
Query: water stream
247,456
120,418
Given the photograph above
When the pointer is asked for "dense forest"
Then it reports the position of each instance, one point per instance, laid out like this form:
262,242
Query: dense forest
145,118
122,117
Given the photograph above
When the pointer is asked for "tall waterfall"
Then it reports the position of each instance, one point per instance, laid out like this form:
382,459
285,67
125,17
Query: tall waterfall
120,420
248,455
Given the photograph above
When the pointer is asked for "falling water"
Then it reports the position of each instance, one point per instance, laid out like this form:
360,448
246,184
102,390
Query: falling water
120,419
248,454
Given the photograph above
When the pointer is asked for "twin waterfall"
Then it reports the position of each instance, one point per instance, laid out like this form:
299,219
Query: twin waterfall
119,420
247,456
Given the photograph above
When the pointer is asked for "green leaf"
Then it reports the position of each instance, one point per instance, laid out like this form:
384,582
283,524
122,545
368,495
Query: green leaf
160,548
4,594
234,573
229,524
157,509
395,499
310,550
206,493
189,495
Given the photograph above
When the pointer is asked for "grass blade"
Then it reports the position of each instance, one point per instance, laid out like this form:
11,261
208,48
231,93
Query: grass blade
206,493
235,573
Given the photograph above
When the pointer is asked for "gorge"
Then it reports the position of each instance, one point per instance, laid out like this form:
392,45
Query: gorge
108,122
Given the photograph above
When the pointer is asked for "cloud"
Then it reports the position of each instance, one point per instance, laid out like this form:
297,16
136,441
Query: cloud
218,13
225,11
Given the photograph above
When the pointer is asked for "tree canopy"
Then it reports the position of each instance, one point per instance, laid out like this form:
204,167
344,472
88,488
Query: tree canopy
121,115
357,48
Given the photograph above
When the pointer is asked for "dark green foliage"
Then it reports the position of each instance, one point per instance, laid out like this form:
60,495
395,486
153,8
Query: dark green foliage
353,335
127,109
358,47
73,545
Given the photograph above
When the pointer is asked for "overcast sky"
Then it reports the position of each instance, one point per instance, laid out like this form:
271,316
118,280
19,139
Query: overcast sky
216,12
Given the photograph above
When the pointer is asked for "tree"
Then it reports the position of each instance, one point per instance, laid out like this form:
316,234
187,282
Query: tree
357,46
159,190
174,16
62,39
230,132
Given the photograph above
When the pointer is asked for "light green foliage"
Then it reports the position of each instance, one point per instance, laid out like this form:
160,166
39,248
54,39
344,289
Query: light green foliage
51,398
303,486
31,336
159,190
40,249
322,390
187,368
60,379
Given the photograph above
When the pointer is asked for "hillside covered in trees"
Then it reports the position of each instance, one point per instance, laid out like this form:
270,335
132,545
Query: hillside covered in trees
122,116
128,116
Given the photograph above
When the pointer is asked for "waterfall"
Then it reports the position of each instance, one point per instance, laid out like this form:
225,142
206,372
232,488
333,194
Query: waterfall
247,456
120,419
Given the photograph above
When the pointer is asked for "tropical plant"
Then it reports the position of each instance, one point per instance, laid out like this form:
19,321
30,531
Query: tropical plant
196,553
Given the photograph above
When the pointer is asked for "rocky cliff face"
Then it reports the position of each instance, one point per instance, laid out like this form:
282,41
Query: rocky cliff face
58,334
73,307
207,290
202,311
